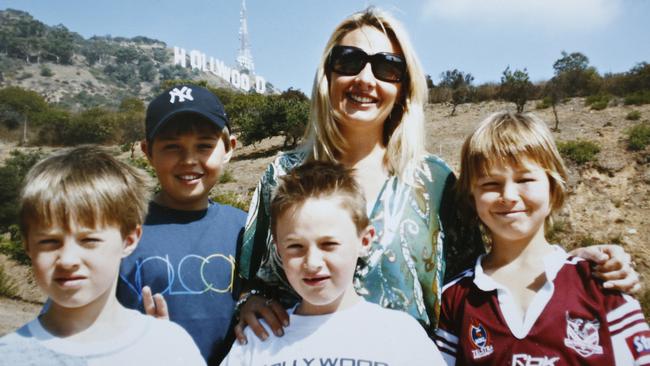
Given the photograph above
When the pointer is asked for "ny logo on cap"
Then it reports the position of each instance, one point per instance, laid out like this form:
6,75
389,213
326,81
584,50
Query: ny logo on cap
184,93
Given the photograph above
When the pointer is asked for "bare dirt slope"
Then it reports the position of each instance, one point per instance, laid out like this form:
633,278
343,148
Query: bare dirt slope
609,199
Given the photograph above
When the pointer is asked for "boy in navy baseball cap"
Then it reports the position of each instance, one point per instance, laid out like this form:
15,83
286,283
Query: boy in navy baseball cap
189,243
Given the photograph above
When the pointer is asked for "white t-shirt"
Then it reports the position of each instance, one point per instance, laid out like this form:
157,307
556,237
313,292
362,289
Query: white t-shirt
363,335
147,341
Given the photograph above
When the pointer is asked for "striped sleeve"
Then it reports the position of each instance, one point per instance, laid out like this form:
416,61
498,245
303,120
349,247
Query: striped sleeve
630,333
446,335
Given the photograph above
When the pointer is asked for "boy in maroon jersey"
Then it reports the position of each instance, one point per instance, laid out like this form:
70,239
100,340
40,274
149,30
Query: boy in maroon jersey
527,302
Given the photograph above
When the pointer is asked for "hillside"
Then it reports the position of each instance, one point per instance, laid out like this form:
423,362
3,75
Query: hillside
77,73
609,199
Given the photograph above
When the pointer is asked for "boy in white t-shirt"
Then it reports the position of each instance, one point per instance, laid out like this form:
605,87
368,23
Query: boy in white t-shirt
320,226
81,213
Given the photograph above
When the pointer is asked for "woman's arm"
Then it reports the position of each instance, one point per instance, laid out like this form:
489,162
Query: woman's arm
613,265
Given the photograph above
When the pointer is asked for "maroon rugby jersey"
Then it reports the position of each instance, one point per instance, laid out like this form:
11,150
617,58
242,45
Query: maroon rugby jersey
572,320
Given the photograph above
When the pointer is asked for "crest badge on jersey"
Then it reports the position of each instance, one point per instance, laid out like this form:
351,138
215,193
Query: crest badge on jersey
480,340
582,336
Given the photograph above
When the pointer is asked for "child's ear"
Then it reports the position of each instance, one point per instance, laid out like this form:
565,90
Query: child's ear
144,146
131,241
233,145
367,235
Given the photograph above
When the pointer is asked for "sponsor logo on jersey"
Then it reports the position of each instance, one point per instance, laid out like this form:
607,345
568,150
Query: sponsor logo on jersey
480,340
522,359
582,336
639,344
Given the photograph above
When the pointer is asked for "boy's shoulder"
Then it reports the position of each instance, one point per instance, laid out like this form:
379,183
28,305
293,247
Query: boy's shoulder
21,347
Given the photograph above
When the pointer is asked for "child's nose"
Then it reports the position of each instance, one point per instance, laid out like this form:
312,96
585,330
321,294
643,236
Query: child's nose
313,261
189,157
69,256
510,192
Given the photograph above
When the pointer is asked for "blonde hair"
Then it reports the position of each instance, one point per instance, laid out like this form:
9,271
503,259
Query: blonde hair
85,185
404,128
512,139
319,179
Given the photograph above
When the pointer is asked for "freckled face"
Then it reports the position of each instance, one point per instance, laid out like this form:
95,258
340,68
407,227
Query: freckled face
188,166
362,101
77,267
319,246
513,201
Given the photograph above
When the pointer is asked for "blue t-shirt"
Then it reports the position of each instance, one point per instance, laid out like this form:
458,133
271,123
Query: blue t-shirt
189,258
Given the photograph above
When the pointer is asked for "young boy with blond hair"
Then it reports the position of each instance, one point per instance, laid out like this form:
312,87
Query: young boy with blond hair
81,213
189,243
527,302
320,226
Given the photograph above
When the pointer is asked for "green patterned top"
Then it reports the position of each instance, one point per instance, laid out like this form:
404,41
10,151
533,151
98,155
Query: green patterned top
416,228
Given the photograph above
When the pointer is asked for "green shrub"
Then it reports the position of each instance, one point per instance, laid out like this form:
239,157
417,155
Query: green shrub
25,75
579,151
598,102
638,98
232,199
7,287
13,248
639,136
544,103
633,116
46,71
226,177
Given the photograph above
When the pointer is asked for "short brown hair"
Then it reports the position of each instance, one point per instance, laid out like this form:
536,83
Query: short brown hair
87,185
188,122
511,138
318,179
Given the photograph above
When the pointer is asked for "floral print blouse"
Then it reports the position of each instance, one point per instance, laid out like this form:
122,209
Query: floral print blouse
417,227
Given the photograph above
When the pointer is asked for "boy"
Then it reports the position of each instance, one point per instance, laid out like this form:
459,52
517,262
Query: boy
319,223
527,302
188,248
81,213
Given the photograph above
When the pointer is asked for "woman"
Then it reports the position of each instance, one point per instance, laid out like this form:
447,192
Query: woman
367,113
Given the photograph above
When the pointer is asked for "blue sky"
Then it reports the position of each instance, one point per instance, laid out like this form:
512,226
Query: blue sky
477,36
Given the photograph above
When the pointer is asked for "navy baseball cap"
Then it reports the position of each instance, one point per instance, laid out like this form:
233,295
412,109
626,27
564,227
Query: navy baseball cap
184,99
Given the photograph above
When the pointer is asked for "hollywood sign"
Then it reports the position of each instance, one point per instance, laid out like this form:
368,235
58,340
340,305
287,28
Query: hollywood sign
200,61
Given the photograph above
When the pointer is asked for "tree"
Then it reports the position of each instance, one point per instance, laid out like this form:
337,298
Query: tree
60,44
574,75
516,87
460,84
131,122
27,103
12,175
554,93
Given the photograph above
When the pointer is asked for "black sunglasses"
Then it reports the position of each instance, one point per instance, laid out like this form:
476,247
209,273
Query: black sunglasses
349,60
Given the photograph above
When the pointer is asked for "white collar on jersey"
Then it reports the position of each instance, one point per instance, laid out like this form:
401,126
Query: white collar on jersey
520,324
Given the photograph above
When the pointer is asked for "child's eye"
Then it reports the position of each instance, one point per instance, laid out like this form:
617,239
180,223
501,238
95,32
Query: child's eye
171,147
330,244
91,240
48,241
294,246
206,146
489,184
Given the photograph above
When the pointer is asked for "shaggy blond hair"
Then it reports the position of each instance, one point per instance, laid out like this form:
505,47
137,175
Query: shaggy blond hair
87,186
404,128
512,139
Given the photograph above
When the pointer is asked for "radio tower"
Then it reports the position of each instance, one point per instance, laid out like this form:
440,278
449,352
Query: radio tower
244,57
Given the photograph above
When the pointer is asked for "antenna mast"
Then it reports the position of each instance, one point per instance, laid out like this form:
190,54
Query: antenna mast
244,56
